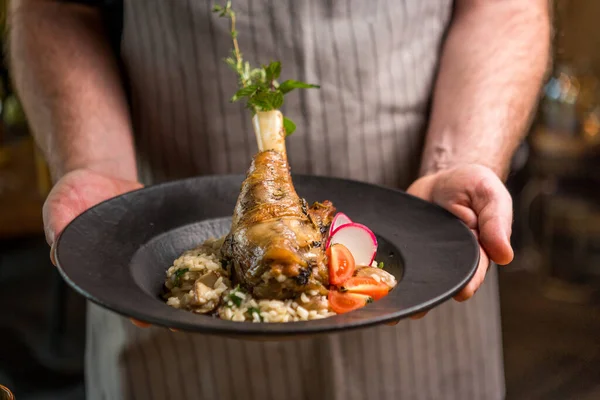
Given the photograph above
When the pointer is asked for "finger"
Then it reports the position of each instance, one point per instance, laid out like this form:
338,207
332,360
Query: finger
475,283
493,205
57,214
465,214
419,315
422,187
139,324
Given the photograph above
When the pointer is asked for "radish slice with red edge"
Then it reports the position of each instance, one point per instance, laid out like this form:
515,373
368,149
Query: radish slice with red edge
359,239
338,220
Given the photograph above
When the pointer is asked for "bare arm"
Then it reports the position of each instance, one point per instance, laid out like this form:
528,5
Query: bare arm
492,67
69,83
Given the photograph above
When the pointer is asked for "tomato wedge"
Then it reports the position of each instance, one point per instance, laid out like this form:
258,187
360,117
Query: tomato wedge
346,302
367,286
341,264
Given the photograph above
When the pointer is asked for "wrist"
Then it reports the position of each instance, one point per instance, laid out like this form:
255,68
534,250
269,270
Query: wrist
109,167
433,175
449,147
442,157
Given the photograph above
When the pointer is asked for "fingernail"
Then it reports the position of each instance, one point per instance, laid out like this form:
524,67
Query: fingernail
51,237
139,324
52,255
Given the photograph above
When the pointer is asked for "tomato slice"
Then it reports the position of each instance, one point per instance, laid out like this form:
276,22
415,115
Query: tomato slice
341,264
346,302
367,286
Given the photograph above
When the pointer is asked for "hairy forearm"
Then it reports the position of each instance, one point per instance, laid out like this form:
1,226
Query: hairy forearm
69,84
492,67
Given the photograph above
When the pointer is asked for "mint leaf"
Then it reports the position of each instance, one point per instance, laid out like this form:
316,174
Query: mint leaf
244,92
273,70
260,102
289,126
290,84
266,100
276,100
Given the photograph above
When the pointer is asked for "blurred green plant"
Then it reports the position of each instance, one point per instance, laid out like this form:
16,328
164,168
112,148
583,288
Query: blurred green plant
12,112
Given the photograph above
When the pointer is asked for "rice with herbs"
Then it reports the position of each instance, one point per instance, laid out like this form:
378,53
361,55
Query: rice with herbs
198,282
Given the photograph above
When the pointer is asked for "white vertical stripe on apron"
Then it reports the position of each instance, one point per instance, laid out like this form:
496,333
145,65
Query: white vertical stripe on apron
205,356
157,31
147,152
327,104
299,42
222,123
257,363
177,140
179,84
383,155
317,124
363,145
144,165
200,152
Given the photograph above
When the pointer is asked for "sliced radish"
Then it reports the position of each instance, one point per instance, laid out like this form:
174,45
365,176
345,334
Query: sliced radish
359,239
339,220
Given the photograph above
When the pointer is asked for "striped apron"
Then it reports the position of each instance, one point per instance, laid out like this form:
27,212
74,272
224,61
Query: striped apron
375,61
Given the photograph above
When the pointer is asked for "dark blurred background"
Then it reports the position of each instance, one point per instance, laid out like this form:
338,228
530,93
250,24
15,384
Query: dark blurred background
549,294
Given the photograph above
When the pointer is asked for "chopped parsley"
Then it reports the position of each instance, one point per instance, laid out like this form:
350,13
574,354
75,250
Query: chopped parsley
253,310
234,298
177,276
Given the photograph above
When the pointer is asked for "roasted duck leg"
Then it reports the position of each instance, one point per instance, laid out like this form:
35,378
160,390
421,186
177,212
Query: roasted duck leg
276,244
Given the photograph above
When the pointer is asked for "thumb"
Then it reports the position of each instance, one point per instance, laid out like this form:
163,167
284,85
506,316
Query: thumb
493,205
54,223
57,213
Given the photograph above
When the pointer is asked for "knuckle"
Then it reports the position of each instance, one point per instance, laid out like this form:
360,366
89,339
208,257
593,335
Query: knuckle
485,187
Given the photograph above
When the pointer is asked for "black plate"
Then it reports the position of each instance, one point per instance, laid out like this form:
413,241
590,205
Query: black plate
116,254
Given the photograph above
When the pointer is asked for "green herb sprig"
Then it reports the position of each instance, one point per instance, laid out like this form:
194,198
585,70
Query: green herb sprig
259,86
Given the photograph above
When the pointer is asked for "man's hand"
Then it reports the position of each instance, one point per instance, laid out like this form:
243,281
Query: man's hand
478,197
73,194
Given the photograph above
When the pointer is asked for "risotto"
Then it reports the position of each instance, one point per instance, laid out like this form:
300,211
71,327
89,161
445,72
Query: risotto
197,282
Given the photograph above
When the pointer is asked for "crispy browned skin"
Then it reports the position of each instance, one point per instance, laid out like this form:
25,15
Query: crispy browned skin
275,231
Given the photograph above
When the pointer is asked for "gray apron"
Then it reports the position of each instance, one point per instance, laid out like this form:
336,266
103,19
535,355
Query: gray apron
376,62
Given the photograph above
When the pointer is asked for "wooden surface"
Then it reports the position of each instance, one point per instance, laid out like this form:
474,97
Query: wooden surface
23,187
